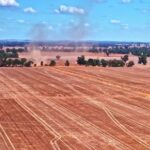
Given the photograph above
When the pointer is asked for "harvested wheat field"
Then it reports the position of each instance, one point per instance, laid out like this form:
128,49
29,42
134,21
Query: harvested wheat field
74,108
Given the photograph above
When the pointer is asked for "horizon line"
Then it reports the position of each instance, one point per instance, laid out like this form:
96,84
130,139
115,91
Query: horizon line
29,40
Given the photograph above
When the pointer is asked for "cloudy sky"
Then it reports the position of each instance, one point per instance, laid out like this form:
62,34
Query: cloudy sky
102,20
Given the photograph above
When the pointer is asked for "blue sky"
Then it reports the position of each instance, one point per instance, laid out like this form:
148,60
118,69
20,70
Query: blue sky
101,20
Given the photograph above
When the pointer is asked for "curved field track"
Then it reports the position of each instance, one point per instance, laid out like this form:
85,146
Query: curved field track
74,108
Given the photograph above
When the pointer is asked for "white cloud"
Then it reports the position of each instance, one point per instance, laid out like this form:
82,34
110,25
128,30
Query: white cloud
8,3
98,1
44,22
20,21
70,10
72,21
146,10
114,21
50,28
126,1
86,24
56,11
30,10
119,23
1,30
125,26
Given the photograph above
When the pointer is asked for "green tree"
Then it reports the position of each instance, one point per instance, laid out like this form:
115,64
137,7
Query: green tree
3,58
42,63
116,63
16,62
104,63
81,60
23,61
28,63
107,53
98,63
91,62
67,63
52,63
142,59
130,64
8,62
125,58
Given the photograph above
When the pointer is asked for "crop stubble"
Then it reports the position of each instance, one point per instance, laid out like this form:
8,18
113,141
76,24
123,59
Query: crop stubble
74,108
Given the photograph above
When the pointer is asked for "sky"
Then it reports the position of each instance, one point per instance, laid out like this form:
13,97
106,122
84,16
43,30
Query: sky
99,20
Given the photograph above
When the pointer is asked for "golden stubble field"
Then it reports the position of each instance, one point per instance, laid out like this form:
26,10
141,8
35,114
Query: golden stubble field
74,108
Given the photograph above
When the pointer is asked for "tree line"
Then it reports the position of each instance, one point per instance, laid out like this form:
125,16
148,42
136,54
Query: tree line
135,51
10,59
124,61
100,62
22,62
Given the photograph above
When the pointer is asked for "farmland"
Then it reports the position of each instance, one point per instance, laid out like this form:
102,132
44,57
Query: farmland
75,108
72,57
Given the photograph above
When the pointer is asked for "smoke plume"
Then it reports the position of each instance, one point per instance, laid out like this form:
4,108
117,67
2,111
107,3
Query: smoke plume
39,33
81,28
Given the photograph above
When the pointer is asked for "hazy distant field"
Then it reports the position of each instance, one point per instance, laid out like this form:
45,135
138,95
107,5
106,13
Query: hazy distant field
74,108
72,57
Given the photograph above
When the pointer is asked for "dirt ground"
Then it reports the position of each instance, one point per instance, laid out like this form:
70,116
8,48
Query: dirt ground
74,108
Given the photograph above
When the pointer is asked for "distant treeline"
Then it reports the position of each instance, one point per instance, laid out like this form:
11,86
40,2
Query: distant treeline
16,50
9,54
14,43
100,62
22,62
134,51
124,61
